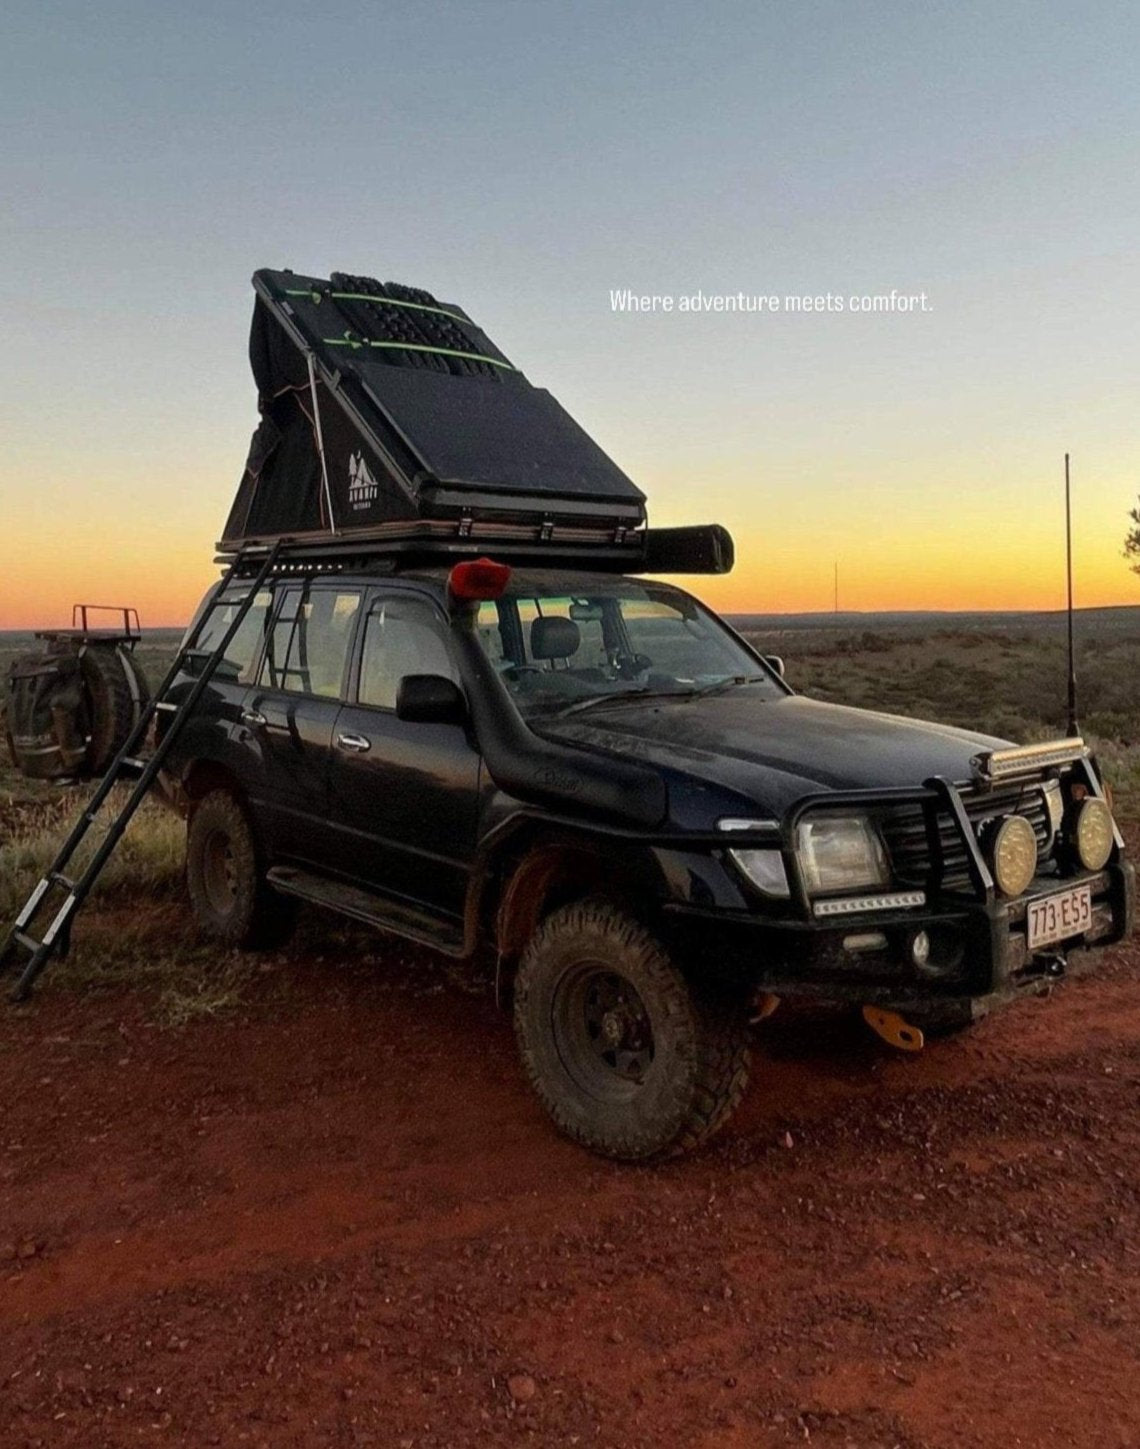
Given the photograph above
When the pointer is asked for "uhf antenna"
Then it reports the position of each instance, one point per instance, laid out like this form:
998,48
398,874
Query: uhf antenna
1073,729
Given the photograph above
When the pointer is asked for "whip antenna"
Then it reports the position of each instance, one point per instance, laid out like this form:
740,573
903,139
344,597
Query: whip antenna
1073,730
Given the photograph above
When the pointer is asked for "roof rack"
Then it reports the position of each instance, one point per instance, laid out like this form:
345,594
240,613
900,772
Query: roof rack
696,549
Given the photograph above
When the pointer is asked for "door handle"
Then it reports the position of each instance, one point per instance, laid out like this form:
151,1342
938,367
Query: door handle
253,717
356,743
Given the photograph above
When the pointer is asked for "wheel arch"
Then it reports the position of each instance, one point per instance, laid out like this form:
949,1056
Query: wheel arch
538,873
202,776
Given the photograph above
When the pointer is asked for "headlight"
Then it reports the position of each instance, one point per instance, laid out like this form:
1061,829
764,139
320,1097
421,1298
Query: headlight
1011,847
1094,833
841,853
764,868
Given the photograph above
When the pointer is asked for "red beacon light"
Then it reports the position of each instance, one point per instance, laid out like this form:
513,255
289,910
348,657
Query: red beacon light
478,578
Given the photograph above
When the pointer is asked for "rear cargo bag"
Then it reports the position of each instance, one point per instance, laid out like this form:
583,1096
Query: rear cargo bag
71,707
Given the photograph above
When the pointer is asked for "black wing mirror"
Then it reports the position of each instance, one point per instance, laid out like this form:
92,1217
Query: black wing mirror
775,663
430,699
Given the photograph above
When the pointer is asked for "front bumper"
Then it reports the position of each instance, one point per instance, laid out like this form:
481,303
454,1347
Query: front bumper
979,954
980,957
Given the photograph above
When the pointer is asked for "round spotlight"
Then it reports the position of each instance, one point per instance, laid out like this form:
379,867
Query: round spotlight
920,948
1094,833
1013,854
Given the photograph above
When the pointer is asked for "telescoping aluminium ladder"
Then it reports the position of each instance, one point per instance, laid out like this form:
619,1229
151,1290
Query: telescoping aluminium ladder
128,766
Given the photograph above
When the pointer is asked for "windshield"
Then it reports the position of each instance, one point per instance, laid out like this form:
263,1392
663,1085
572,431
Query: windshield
616,639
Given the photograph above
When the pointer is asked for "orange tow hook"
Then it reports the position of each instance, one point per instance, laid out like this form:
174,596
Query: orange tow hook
893,1029
763,1005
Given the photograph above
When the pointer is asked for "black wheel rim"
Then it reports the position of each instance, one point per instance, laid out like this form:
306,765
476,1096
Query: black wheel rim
219,872
603,1032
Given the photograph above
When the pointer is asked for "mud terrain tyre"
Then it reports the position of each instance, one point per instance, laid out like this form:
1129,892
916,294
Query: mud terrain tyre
231,900
107,678
625,1056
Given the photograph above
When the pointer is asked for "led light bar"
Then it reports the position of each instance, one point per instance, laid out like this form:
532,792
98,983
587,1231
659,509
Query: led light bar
733,823
855,905
1026,759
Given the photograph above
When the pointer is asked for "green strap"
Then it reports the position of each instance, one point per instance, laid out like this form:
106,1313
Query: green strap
418,347
374,297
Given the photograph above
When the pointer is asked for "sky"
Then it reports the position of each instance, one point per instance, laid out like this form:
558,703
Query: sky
526,160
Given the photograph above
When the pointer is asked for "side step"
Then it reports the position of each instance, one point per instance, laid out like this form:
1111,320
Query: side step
373,910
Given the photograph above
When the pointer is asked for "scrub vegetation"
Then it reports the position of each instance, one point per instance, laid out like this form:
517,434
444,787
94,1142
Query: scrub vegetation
1010,682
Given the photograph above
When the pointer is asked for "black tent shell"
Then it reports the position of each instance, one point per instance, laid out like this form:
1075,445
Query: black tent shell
388,414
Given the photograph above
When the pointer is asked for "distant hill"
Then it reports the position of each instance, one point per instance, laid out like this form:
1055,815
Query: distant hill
1123,619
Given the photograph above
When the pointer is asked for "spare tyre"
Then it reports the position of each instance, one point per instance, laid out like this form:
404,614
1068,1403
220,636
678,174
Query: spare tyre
71,708
116,690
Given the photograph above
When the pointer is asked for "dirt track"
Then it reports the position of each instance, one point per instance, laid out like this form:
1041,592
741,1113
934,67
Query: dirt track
335,1216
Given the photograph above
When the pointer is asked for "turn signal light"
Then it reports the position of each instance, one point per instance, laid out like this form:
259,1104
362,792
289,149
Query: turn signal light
479,578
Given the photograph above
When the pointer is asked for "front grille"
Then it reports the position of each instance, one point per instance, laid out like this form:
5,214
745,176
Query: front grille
909,840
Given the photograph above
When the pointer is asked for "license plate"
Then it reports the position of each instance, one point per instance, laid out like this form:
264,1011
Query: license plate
1054,918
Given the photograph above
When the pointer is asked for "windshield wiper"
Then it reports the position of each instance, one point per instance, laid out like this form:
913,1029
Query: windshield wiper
620,696
730,683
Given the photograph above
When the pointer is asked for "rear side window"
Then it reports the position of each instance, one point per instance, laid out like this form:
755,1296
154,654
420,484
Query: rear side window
401,636
309,641
244,649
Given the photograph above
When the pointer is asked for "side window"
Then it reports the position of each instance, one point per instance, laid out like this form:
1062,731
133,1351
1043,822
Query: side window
308,645
401,636
245,647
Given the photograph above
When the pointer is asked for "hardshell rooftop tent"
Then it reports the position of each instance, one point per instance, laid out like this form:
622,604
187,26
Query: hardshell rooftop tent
391,423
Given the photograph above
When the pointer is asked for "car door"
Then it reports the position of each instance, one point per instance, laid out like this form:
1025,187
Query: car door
404,795
291,710
215,732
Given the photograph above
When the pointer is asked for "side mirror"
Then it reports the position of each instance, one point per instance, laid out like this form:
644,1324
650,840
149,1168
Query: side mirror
430,699
774,662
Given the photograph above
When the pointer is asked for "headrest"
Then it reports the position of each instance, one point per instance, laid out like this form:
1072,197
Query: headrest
554,638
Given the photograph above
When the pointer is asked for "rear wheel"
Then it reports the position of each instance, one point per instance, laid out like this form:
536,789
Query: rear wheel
627,1059
231,900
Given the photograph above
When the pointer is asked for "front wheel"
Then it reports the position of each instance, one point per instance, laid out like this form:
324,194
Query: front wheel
231,900
627,1059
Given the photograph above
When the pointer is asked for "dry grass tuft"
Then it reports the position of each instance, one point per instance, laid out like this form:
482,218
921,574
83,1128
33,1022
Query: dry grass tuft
148,860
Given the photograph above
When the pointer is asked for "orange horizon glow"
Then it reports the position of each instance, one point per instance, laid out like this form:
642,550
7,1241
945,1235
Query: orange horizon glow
39,594
982,533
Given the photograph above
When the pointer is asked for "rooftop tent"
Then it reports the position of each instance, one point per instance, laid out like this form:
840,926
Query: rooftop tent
389,416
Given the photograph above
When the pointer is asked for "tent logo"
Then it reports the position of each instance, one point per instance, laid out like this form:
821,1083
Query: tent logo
362,486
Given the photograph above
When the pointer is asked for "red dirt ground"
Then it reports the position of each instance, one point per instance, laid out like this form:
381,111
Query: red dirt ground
335,1216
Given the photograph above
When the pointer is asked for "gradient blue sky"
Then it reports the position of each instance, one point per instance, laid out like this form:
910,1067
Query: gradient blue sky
524,159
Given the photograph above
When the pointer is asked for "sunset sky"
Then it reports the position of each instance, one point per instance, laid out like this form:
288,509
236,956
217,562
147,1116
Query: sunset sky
525,159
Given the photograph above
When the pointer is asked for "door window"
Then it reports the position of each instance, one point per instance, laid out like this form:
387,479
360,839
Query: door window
401,636
308,644
244,648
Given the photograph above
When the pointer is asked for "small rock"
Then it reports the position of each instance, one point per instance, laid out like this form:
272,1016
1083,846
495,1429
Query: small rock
522,1388
789,1140
7,1252
28,1249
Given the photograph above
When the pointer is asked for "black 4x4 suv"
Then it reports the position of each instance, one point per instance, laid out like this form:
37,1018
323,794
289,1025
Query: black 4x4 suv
598,779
